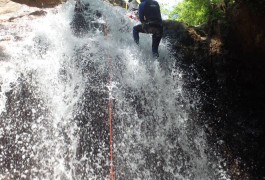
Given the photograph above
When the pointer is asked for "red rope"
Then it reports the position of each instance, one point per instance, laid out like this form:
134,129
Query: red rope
110,107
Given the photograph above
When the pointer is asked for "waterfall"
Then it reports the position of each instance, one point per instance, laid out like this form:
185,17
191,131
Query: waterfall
54,93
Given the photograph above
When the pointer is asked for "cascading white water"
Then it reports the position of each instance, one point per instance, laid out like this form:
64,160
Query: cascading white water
54,100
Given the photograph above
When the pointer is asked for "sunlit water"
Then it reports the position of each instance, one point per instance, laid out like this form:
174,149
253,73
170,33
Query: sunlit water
54,98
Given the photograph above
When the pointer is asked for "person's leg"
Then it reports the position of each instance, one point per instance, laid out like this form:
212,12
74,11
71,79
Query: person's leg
156,38
136,30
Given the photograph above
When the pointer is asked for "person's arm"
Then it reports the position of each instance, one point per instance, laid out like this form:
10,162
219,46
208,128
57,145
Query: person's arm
141,12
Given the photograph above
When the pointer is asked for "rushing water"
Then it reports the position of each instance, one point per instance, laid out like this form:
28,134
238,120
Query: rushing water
54,98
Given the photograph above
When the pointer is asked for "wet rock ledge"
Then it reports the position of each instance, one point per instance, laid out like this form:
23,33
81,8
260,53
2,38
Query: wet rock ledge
16,8
40,3
11,11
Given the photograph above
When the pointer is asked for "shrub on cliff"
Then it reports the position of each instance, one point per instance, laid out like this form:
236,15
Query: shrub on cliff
196,12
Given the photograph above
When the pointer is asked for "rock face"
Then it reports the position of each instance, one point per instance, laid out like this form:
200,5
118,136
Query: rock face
226,67
249,26
231,66
12,11
8,8
225,62
40,3
244,67
17,8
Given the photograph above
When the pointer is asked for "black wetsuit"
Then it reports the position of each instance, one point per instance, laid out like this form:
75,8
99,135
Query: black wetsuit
150,17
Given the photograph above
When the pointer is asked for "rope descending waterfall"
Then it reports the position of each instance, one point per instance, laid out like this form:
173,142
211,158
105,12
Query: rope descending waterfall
110,109
110,120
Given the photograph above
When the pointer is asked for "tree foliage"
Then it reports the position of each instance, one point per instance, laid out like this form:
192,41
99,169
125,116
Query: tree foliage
195,12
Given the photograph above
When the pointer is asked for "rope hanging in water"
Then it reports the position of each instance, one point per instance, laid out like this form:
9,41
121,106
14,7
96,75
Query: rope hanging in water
110,109
110,123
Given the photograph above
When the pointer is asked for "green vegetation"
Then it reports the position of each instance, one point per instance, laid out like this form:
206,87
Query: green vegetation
163,9
196,12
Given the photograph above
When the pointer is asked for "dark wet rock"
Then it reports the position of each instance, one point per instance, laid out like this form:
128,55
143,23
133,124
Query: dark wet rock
85,19
38,13
249,25
91,115
33,14
79,25
225,62
17,137
40,3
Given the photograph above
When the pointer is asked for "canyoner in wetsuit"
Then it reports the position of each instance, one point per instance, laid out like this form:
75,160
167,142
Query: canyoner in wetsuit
150,17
